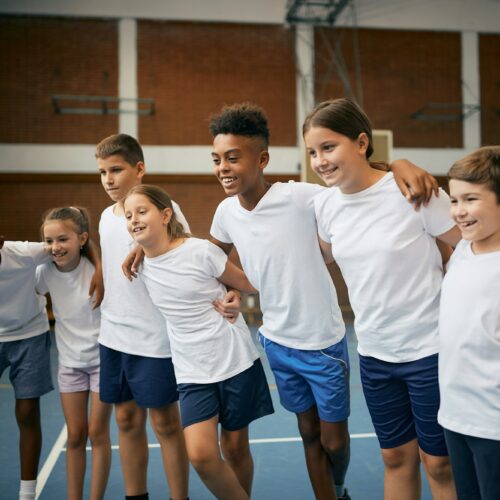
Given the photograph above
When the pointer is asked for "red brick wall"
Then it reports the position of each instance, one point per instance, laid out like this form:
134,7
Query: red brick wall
46,56
401,72
489,56
192,69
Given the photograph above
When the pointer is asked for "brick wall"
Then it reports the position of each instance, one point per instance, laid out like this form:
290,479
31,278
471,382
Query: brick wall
46,56
192,69
489,55
401,72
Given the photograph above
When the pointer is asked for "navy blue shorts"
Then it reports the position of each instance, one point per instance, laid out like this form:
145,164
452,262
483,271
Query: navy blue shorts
238,400
305,378
403,400
29,361
150,382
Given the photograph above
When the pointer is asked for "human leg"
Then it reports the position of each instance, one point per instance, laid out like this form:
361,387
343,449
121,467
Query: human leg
74,405
236,451
30,436
100,414
166,424
486,454
204,454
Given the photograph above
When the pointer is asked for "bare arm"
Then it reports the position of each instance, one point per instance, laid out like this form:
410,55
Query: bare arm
451,237
415,183
235,278
132,262
96,288
326,251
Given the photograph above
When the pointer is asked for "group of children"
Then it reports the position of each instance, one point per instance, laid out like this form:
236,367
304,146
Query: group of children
174,338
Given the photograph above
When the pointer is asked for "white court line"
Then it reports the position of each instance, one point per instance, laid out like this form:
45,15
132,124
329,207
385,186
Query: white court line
264,441
49,464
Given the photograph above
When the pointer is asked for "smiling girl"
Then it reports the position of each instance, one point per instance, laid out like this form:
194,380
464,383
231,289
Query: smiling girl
66,233
219,374
389,259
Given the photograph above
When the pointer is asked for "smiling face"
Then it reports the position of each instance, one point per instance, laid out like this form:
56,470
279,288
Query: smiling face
64,243
146,223
336,158
118,176
239,162
476,210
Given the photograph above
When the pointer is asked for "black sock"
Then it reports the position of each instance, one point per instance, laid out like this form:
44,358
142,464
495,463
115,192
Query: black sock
144,496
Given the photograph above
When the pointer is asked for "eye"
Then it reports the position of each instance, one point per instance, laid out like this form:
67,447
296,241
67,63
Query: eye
453,201
233,159
216,161
142,211
312,153
128,216
328,147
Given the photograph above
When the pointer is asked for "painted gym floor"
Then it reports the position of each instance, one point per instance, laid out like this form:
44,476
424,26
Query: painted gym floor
280,470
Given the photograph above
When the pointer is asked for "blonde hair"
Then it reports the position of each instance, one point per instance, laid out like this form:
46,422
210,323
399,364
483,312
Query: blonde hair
161,200
78,215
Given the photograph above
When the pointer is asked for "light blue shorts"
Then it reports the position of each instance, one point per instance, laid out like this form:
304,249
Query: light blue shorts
313,377
29,362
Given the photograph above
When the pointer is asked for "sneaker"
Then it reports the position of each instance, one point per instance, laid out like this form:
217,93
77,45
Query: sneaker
345,496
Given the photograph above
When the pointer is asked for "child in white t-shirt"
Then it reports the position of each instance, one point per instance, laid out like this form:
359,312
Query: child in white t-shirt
67,279
389,259
469,328
216,363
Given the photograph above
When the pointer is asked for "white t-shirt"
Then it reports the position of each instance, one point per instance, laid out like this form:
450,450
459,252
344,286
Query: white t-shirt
22,310
130,322
391,264
278,247
77,325
183,284
469,347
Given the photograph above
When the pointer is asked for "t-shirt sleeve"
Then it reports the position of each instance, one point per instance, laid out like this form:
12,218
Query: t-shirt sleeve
319,202
304,193
34,253
180,217
436,215
40,283
217,230
215,259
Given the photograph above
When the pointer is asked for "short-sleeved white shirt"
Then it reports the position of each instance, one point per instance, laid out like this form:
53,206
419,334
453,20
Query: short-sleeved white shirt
469,350
391,264
77,324
183,284
22,310
278,247
130,322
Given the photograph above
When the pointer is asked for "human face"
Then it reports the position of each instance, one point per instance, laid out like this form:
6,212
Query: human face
146,223
118,176
335,158
64,243
238,163
475,209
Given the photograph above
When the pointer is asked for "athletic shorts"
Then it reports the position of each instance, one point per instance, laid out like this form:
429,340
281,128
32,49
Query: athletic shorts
29,361
403,400
305,378
150,382
78,379
238,400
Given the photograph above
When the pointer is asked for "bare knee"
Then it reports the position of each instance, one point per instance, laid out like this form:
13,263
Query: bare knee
28,413
165,425
130,419
77,438
235,452
334,445
98,435
438,468
202,461
398,458
310,432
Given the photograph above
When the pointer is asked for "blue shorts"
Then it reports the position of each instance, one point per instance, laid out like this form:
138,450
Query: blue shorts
150,382
29,361
403,400
308,378
238,400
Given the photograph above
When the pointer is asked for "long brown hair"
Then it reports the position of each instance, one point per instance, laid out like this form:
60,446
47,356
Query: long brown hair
161,200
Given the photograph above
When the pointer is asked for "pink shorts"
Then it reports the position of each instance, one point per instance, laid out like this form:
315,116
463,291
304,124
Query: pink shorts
78,379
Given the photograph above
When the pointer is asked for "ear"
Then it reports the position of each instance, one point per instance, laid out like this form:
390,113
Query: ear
363,142
141,169
263,159
167,215
83,238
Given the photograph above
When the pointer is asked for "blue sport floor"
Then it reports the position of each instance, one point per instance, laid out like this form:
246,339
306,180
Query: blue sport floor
280,471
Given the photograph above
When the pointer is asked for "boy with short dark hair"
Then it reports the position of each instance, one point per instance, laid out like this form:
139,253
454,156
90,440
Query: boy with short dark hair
136,366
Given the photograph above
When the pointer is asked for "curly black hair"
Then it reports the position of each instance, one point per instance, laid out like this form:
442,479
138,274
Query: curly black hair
245,119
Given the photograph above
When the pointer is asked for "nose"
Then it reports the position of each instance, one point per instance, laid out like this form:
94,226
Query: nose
108,179
317,161
458,210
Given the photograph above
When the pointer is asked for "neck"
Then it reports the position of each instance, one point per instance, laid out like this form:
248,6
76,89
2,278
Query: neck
251,198
367,177
119,208
163,246
70,266
490,244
